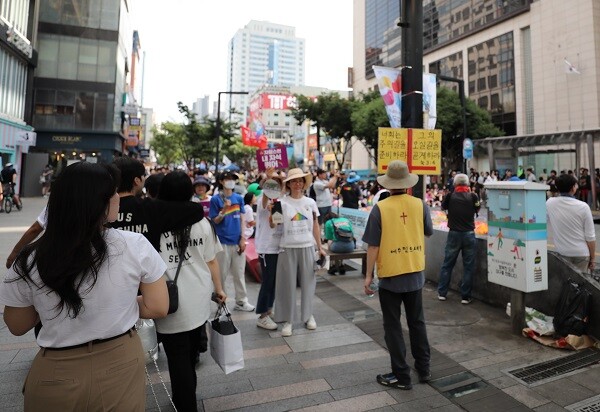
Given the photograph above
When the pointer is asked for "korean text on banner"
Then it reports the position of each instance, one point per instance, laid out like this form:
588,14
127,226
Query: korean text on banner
390,87
391,146
275,157
421,149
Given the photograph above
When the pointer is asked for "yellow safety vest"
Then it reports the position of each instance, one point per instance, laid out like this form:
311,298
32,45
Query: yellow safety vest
402,246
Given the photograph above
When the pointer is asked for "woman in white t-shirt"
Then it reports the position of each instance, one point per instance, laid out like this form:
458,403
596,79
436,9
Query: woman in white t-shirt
181,332
80,280
301,235
266,242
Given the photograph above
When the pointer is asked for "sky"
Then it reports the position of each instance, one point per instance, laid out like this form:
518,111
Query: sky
185,44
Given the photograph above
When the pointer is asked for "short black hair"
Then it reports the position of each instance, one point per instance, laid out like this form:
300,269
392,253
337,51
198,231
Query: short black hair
130,169
565,182
153,183
248,198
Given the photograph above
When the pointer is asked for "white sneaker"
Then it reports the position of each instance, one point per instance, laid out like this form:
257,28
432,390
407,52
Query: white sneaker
311,324
245,306
266,323
287,329
442,298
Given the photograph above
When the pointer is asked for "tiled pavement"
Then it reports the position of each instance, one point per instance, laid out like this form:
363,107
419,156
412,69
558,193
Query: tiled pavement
334,367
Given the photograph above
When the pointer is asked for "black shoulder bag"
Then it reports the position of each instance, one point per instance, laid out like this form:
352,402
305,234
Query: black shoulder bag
172,284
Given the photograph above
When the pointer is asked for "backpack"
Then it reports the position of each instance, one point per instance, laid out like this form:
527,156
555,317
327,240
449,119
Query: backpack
343,231
311,193
572,314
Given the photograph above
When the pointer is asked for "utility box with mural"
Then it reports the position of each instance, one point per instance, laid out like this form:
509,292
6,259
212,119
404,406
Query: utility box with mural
517,236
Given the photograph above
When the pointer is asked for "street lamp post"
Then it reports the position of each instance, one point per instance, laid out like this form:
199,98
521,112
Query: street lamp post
463,103
218,126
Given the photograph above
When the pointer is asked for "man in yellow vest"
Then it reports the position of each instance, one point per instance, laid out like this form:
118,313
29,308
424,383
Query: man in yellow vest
395,233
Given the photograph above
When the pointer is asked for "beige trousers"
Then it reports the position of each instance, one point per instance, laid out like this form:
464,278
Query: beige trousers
107,376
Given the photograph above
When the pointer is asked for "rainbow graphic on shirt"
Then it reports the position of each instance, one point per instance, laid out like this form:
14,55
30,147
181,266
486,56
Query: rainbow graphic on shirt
299,217
231,210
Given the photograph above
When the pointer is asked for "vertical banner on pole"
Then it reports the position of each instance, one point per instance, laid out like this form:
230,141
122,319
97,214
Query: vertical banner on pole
429,101
390,88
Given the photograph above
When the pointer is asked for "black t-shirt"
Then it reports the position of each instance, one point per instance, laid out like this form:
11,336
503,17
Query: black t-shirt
461,207
350,195
7,175
151,217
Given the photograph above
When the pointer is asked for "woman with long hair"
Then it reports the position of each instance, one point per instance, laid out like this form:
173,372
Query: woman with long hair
81,281
301,235
181,332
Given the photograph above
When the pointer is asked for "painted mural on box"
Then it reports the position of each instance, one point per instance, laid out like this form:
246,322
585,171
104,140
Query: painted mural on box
517,239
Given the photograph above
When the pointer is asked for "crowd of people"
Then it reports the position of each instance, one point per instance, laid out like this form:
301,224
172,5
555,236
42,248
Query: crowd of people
83,284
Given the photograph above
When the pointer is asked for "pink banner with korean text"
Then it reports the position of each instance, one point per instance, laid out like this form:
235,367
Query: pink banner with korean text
275,157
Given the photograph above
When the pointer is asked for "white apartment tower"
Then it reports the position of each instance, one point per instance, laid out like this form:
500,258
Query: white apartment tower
200,107
262,53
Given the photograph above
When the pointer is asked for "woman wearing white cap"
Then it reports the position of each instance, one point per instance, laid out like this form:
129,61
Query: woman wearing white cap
301,235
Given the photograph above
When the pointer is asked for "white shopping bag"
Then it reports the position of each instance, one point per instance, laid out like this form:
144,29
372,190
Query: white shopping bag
226,349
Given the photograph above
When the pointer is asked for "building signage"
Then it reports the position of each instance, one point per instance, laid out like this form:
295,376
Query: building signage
275,102
130,109
421,149
26,138
66,139
19,41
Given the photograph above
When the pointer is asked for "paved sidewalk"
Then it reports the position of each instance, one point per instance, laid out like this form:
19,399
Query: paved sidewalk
334,367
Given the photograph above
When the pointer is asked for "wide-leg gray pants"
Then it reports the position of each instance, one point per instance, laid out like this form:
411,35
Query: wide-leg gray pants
292,265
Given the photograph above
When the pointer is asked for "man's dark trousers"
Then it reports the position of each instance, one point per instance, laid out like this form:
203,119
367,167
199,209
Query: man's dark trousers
391,303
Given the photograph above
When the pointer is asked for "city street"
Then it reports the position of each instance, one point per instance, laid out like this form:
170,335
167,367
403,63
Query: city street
334,367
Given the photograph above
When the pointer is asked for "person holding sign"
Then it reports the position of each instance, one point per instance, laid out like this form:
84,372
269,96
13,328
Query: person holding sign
266,240
301,235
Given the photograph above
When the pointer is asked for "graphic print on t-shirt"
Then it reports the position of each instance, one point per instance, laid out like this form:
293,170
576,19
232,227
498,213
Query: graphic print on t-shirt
298,217
232,209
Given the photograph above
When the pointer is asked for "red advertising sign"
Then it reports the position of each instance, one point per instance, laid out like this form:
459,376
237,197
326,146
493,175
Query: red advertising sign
275,157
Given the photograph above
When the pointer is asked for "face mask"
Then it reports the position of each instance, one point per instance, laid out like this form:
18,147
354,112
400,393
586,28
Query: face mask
229,184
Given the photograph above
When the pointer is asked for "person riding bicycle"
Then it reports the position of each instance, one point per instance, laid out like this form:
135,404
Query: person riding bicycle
9,180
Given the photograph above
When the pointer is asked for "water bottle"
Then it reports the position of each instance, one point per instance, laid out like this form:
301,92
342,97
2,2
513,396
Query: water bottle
374,286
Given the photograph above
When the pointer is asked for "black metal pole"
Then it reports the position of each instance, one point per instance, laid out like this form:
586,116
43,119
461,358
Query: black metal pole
463,104
218,132
411,22
218,125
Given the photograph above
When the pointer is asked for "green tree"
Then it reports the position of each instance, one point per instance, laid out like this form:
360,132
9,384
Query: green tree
167,142
241,154
330,113
199,142
367,117
450,121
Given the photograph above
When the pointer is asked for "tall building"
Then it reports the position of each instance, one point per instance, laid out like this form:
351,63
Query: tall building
200,107
18,58
82,100
262,53
533,65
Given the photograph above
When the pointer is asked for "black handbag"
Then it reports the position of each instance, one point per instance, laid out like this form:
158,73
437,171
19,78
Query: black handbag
172,284
223,326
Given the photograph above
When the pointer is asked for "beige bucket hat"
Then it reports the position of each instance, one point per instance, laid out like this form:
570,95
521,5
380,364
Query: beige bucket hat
397,176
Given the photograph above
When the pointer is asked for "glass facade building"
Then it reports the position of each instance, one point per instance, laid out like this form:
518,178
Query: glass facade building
17,61
487,67
84,47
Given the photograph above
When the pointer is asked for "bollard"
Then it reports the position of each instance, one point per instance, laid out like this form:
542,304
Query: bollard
517,311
